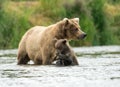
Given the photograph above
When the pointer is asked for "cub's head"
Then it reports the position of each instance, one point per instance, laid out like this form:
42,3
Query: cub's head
72,29
61,46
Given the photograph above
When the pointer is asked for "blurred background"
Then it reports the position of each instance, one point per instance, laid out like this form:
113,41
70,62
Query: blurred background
100,19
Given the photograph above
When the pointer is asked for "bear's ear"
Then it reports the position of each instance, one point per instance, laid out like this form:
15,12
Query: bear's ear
64,41
76,19
66,21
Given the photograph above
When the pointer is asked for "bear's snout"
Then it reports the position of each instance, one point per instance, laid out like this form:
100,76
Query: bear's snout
82,36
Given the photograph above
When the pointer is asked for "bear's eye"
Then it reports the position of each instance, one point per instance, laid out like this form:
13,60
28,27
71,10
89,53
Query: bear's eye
75,29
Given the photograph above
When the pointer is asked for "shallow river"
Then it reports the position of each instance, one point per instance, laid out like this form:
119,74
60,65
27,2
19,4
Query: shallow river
99,67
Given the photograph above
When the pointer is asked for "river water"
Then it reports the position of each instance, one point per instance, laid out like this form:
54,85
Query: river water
99,67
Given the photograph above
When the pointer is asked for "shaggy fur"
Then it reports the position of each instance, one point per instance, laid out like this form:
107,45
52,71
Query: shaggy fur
37,43
64,56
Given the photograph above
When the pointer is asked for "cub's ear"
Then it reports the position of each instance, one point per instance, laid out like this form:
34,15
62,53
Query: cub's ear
76,19
66,21
64,41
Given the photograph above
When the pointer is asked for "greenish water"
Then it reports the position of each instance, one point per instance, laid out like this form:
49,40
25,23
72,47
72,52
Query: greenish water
99,67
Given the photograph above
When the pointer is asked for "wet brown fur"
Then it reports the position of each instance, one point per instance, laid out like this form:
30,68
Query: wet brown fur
62,47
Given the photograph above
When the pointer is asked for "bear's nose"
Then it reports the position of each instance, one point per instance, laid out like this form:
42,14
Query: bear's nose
82,36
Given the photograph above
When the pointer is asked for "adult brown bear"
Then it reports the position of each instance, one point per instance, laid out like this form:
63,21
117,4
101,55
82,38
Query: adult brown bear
37,43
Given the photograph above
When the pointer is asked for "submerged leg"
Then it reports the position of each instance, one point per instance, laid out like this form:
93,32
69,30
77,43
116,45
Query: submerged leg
23,59
38,61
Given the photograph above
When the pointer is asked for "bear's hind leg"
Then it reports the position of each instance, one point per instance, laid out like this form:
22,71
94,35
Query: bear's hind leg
23,59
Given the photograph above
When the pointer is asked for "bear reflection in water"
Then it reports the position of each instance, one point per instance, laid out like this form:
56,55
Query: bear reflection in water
64,53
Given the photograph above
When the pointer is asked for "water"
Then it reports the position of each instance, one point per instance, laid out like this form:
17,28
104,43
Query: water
99,67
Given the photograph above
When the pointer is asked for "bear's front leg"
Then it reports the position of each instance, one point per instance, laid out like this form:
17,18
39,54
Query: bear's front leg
38,61
47,59
48,55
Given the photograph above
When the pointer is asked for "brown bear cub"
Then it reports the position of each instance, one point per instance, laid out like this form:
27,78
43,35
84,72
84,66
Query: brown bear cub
64,53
